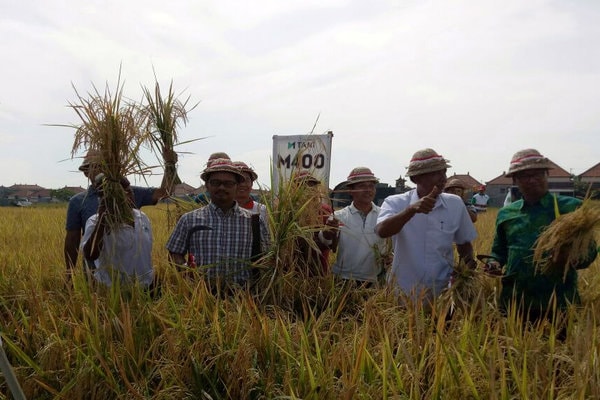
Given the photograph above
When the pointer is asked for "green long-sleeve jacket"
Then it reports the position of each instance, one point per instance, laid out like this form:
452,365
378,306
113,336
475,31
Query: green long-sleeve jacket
518,225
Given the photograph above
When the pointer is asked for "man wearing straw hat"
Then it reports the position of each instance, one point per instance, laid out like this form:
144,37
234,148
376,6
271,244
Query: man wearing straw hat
455,186
204,198
361,253
85,204
518,226
424,223
221,239
243,195
316,213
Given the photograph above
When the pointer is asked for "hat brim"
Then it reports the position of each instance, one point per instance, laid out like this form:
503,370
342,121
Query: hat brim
427,169
252,174
542,165
359,180
206,174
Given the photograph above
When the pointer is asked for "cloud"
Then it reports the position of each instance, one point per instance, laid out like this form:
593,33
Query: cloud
474,80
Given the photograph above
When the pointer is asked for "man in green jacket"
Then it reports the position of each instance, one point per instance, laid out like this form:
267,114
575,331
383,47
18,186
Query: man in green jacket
518,225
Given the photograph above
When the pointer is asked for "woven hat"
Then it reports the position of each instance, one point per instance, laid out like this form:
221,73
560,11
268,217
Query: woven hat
92,157
527,159
221,165
304,176
242,166
454,182
425,161
360,174
215,156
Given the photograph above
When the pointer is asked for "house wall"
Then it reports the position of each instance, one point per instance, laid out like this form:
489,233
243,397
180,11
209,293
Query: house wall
497,194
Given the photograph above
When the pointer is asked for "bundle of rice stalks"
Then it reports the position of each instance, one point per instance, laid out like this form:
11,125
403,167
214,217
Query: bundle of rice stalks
164,116
294,220
465,287
115,130
567,240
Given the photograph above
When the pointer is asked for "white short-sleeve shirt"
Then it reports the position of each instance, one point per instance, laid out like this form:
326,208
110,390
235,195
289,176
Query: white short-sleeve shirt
126,252
423,249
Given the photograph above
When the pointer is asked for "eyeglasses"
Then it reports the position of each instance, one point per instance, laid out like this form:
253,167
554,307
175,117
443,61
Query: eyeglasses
363,186
533,175
227,184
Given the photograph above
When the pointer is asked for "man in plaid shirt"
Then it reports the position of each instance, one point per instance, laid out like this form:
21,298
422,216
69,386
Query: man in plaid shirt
219,237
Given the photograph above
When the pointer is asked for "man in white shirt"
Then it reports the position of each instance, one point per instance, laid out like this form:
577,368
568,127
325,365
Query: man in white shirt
361,253
480,200
424,223
121,253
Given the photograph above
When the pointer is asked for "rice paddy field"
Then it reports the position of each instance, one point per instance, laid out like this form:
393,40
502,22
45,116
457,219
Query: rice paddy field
314,340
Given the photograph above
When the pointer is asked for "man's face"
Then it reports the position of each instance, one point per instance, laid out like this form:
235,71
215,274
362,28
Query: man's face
533,183
455,190
362,192
91,171
426,182
222,187
244,188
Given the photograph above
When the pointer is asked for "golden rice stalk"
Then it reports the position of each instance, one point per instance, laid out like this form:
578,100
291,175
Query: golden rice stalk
465,286
116,129
164,117
573,233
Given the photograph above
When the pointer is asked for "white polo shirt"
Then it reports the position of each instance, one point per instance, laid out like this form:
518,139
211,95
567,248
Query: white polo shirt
126,253
356,256
423,249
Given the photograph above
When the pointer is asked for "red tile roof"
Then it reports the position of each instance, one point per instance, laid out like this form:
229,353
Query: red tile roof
467,180
593,172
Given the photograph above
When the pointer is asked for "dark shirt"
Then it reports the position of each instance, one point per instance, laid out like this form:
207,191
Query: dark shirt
518,226
85,204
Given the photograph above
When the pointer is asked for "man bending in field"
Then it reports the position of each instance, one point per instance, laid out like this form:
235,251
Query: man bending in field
85,204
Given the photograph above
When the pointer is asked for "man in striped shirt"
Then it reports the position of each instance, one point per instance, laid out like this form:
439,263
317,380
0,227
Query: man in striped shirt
220,238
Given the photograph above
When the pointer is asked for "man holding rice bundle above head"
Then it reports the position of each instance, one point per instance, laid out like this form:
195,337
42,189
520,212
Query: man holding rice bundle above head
424,223
518,227
85,204
121,252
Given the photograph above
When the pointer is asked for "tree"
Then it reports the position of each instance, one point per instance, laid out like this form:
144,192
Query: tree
63,194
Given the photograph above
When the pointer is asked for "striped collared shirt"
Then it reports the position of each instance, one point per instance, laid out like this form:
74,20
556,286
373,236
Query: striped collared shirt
220,242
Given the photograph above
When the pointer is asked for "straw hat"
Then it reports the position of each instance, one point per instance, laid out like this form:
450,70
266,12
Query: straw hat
221,165
425,161
360,174
215,156
242,166
527,159
92,157
305,177
454,183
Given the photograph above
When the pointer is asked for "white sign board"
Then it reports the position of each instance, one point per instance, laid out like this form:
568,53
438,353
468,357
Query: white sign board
301,153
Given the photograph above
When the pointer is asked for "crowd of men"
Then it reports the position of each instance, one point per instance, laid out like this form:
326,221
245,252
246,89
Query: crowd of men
408,243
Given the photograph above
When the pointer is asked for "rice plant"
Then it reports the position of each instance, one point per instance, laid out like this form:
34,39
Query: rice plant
114,131
78,342
165,115
567,241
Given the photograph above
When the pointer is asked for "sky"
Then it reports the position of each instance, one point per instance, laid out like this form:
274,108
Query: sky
475,80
